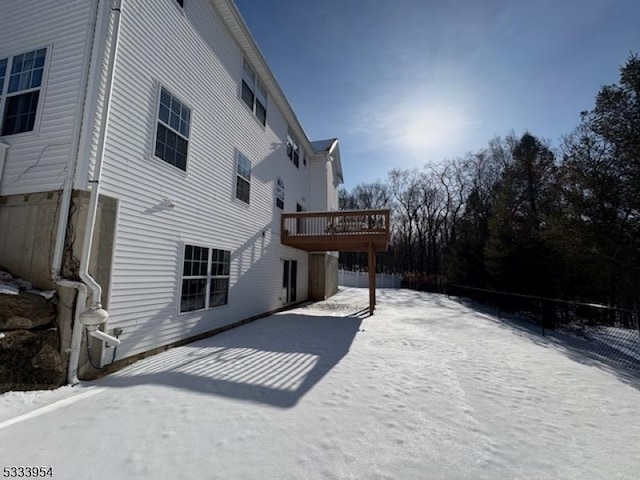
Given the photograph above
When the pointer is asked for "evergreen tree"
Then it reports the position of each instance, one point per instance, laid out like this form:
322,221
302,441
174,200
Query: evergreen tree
518,255
602,189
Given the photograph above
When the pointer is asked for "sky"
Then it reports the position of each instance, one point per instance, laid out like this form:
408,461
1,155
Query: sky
405,83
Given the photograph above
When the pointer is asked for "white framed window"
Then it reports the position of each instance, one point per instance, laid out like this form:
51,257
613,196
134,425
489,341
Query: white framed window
280,193
172,130
21,78
205,278
243,178
254,95
293,149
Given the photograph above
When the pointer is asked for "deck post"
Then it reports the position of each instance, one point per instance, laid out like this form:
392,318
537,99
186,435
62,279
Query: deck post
372,279
375,296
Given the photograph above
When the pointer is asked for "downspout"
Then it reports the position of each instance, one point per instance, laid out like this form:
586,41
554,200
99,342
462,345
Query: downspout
95,315
65,203
88,90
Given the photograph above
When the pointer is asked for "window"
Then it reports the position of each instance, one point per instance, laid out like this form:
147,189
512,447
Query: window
205,278
303,157
219,291
243,178
280,194
172,134
293,151
20,93
253,93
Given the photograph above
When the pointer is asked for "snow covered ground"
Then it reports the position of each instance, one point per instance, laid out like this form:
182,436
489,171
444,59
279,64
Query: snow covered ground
427,388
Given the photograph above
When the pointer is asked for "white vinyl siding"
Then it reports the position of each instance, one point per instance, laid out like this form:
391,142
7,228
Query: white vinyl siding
318,169
192,55
37,160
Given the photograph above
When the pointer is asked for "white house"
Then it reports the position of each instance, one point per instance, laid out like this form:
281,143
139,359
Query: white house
146,156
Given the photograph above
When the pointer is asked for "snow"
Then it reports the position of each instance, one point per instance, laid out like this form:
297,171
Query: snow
10,285
620,342
427,388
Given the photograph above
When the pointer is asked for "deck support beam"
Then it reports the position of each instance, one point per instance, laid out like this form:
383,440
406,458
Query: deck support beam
372,279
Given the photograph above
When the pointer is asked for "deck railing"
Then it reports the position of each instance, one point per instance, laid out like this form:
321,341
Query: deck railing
337,226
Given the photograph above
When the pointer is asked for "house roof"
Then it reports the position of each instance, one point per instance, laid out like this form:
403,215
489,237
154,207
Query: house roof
323,146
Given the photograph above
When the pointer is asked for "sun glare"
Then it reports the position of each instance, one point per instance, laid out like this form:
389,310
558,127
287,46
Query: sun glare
433,129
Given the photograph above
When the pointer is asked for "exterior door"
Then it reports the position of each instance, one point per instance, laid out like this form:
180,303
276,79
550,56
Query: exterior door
290,280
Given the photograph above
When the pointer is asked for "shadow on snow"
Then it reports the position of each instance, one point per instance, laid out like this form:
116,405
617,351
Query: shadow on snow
275,360
586,351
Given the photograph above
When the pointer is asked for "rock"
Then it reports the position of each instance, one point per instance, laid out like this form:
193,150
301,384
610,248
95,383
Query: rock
25,311
30,360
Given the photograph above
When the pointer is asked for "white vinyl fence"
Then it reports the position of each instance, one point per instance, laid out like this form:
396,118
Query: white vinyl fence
361,279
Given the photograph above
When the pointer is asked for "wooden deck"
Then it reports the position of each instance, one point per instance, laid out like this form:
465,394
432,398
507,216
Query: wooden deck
342,230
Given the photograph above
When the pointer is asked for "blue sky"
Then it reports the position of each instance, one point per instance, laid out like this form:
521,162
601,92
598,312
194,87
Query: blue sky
403,83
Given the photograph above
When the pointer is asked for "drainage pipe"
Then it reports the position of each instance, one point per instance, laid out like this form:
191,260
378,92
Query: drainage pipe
96,289
95,310
65,203
96,307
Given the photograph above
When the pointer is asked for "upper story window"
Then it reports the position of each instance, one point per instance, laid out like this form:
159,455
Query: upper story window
243,178
20,84
253,93
293,149
280,194
172,133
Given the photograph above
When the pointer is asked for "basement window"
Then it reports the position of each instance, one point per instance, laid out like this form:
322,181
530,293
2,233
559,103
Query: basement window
205,278
21,79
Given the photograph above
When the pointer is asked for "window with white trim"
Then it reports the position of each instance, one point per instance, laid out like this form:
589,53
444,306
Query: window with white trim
280,194
293,149
172,131
243,178
254,94
205,278
20,84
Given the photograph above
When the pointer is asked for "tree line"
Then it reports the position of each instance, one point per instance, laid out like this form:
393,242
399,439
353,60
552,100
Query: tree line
522,216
